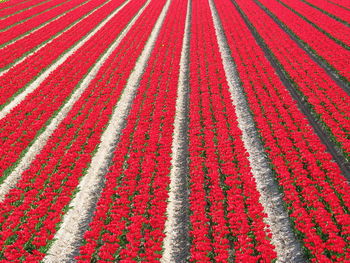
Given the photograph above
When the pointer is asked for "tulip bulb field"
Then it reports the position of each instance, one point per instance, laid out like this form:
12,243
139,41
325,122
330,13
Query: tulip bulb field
175,131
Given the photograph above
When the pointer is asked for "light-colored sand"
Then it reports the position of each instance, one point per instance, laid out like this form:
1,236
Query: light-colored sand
176,242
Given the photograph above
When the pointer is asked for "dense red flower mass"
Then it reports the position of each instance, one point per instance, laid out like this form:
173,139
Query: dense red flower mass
117,101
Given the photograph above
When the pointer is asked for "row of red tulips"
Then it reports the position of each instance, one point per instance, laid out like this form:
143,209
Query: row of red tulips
25,121
326,99
331,27
338,9
28,17
19,7
10,3
130,216
72,13
24,73
314,191
226,216
323,46
32,211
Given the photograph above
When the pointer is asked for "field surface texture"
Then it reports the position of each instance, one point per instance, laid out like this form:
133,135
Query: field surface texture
175,131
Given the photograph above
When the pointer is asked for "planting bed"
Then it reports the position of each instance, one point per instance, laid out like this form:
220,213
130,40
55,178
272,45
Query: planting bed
174,131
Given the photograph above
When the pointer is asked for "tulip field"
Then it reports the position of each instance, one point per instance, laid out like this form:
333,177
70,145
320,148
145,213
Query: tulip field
175,131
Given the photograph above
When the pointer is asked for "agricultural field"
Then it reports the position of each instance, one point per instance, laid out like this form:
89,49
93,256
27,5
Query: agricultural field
175,131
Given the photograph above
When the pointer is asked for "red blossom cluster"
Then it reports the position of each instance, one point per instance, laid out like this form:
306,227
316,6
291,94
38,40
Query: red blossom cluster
335,8
317,18
227,218
326,99
22,124
24,73
227,221
21,21
314,191
130,216
11,4
16,50
7,8
315,39
30,212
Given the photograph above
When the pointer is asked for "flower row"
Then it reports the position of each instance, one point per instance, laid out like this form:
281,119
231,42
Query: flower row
28,17
130,216
32,211
314,191
327,101
13,8
24,73
11,3
330,26
321,44
336,9
71,11
20,127
226,216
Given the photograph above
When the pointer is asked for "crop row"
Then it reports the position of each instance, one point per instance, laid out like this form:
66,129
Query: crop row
70,13
315,193
335,9
33,113
98,80
22,74
319,43
19,7
49,184
129,220
326,99
226,216
11,3
324,23
28,17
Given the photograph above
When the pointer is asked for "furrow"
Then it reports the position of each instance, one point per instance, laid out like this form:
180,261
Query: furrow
328,26
224,201
4,12
331,9
20,34
73,143
341,4
11,3
176,242
299,159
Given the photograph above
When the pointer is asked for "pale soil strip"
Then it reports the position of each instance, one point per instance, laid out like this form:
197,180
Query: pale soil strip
176,242
40,46
75,222
46,23
287,246
35,84
40,142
